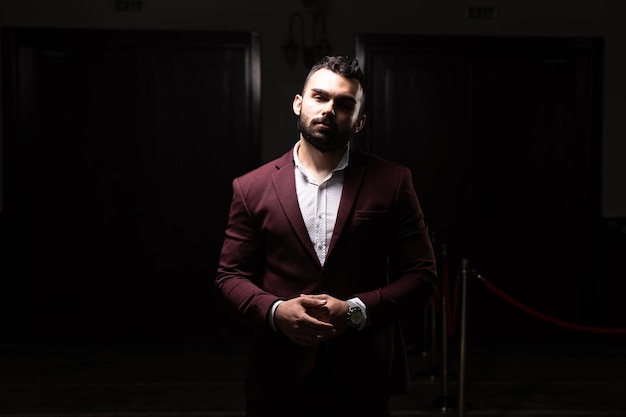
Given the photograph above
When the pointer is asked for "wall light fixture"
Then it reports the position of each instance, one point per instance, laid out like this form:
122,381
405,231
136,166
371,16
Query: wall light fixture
314,44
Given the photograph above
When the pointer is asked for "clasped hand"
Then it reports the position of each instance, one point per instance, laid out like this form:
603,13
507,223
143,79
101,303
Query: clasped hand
310,319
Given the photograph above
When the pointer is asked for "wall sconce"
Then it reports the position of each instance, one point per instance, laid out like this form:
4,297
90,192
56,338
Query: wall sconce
319,45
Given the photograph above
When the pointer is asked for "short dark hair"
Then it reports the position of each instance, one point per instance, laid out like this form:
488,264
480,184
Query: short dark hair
340,64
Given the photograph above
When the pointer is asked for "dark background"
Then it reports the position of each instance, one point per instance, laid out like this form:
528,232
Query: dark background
119,146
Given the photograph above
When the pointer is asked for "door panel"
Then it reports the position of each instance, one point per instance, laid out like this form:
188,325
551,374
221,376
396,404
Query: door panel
503,138
119,151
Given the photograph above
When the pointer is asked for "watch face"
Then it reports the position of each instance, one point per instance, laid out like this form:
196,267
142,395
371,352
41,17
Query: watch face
356,316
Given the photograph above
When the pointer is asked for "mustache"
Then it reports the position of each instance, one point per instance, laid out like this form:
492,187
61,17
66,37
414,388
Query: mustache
324,120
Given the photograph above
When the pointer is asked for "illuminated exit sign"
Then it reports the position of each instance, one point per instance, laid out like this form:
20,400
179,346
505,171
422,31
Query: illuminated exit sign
127,5
484,13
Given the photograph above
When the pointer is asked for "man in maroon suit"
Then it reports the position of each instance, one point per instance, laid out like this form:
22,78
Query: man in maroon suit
325,251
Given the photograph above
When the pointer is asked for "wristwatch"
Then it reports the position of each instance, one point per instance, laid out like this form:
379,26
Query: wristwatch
355,315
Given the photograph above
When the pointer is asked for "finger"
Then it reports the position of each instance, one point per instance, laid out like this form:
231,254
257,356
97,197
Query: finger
311,327
315,324
308,336
323,330
311,302
314,296
315,337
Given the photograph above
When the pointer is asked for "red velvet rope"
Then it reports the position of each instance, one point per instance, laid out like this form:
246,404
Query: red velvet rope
559,322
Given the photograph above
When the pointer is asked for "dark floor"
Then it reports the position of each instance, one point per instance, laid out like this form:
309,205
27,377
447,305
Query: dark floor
200,380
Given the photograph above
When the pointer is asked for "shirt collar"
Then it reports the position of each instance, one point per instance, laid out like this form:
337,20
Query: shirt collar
343,162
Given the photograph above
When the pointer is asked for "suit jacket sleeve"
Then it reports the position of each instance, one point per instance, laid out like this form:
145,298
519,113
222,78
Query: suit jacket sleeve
410,279
241,263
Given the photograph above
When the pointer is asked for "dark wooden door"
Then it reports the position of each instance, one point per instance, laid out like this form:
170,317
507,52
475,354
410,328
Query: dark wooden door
503,137
119,149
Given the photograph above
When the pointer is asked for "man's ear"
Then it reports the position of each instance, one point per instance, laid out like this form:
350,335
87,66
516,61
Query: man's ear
297,104
360,122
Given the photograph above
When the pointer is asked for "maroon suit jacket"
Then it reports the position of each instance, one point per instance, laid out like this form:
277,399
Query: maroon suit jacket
380,251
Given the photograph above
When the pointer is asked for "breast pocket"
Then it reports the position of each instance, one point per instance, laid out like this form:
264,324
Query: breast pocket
370,223
369,215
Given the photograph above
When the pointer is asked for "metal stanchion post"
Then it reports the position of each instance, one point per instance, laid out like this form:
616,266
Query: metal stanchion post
464,275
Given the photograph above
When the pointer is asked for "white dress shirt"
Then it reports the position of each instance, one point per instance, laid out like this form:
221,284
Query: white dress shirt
319,204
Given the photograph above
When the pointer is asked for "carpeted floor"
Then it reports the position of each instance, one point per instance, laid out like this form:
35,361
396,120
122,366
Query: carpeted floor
206,380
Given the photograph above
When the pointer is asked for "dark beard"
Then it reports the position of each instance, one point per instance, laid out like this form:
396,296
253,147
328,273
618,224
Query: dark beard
324,142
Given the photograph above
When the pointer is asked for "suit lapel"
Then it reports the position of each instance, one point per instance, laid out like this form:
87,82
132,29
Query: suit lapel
285,186
355,172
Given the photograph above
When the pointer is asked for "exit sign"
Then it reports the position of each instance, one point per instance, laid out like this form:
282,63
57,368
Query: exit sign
484,13
127,5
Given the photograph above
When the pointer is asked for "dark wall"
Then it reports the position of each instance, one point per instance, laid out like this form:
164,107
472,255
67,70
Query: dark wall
119,152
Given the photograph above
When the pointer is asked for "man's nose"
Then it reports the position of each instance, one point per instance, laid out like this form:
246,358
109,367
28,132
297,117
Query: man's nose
330,108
